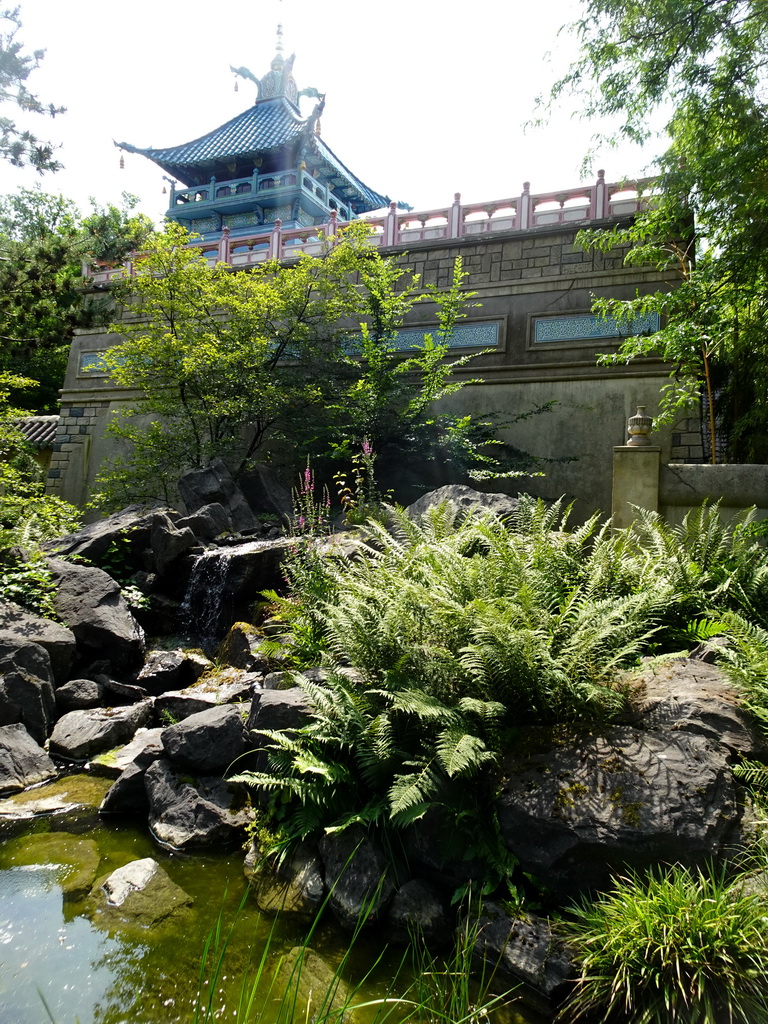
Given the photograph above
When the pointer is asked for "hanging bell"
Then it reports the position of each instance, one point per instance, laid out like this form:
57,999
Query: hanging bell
237,87
122,162
165,190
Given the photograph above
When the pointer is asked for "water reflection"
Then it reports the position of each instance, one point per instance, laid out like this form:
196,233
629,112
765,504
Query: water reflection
90,971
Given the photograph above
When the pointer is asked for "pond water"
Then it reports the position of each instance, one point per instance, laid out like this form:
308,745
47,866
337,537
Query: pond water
60,961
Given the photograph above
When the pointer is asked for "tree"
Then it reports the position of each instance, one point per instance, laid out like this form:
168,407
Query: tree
705,64
17,145
43,240
279,360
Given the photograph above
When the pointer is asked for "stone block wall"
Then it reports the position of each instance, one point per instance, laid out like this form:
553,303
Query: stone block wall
518,277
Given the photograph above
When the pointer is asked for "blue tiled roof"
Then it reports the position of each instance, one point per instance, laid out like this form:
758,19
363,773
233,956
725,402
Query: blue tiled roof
267,125
263,126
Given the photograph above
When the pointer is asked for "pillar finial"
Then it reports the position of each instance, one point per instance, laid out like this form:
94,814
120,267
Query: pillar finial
639,428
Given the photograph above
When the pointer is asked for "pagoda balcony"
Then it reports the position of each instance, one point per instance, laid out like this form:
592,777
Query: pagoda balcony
268,190
581,206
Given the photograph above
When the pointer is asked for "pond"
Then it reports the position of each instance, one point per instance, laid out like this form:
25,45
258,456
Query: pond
61,960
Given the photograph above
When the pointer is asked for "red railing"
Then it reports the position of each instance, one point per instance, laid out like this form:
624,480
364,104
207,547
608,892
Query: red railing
601,201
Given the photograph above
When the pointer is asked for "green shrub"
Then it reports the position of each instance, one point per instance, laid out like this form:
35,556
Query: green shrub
675,946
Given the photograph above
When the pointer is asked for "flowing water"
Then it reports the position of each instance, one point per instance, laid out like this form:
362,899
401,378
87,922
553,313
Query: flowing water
56,951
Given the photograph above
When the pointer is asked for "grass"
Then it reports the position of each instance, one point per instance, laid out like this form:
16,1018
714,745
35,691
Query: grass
672,946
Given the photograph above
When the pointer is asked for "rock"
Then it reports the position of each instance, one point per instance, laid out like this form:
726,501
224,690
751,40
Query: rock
215,485
75,797
128,794
131,528
79,735
171,670
463,498
91,604
79,695
577,806
294,885
116,692
22,762
112,763
26,687
314,990
169,543
265,494
277,681
689,695
76,859
417,907
241,649
227,686
193,812
140,893
226,581
207,522
524,951
275,710
355,871
207,743
18,623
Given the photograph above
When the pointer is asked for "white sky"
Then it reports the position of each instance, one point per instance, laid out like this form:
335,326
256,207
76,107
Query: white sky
424,97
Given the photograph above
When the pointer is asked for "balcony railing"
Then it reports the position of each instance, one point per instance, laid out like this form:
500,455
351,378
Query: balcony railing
598,202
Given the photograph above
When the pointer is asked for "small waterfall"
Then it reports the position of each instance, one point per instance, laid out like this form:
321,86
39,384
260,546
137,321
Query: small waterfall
210,603
204,605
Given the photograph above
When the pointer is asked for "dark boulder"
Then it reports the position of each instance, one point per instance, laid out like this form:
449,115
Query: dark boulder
576,807
128,794
171,670
79,735
417,907
208,742
275,710
225,686
207,522
79,695
355,871
93,607
169,543
130,528
265,494
525,951
188,812
19,623
140,894
22,762
26,687
689,695
215,485
294,885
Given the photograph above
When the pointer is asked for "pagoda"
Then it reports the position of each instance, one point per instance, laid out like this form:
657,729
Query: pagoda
265,165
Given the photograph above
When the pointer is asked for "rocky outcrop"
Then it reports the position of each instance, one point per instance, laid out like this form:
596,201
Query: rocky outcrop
418,908
464,498
515,951
79,735
188,812
241,648
91,604
140,893
355,872
132,527
17,623
575,807
688,695
215,485
293,885
26,687
22,762
207,743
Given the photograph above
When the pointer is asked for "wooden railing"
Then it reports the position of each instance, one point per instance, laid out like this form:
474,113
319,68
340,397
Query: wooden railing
601,201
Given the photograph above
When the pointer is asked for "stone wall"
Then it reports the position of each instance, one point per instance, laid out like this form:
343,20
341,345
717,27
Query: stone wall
520,280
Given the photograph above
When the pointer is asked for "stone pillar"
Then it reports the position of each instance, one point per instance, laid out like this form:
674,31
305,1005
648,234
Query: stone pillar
636,468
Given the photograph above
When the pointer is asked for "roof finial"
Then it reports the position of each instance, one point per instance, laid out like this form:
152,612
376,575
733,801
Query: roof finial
279,47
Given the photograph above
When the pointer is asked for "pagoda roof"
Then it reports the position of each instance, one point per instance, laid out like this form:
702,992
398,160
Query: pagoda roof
270,124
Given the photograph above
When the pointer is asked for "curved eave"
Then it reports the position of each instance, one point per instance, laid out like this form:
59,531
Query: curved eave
368,197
